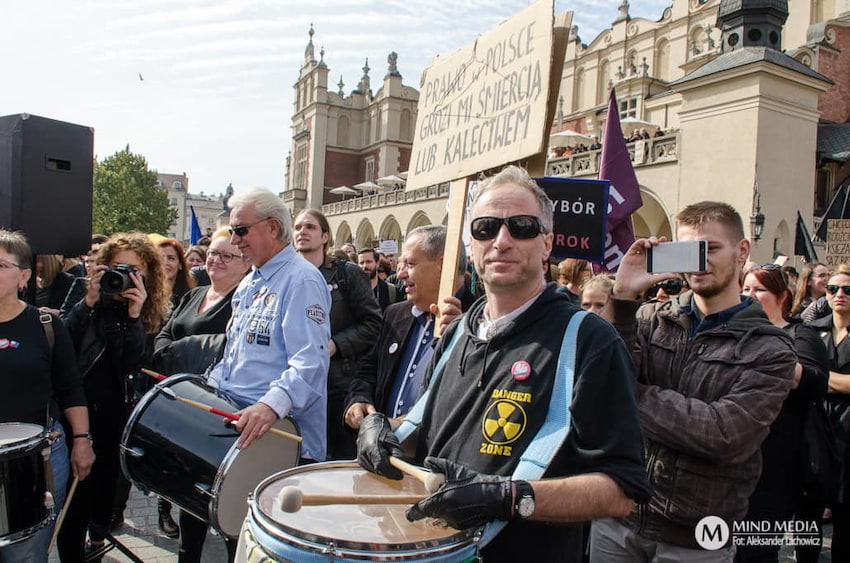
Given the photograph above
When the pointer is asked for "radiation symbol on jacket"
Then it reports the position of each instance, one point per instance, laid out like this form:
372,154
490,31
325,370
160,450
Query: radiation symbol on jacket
503,422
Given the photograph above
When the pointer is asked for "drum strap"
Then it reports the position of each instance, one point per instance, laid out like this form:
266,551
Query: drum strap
414,417
552,434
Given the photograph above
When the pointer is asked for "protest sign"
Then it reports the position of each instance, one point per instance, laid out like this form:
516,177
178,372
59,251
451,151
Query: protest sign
485,105
580,216
388,247
838,242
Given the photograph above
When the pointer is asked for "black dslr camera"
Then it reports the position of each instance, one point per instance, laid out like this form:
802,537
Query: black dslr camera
116,280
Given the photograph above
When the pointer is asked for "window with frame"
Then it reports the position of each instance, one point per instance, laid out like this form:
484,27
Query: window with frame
301,166
628,108
370,169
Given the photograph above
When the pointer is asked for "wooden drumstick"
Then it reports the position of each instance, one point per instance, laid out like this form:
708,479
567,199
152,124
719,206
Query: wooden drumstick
152,373
63,512
291,499
432,481
232,416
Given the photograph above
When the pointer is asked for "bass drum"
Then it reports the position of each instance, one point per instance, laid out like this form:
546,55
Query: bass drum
189,457
24,450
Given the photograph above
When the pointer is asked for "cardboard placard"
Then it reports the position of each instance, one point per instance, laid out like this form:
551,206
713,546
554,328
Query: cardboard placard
486,104
388,247
580,216
838,242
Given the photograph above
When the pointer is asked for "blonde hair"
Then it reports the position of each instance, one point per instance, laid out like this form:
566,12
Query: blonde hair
219,233
600,281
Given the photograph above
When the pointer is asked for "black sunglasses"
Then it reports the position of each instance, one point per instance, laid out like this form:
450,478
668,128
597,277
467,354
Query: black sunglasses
520,227
672,286
242,230
833,289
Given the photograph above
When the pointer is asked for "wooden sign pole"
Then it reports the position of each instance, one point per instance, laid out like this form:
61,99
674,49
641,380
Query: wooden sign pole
454,241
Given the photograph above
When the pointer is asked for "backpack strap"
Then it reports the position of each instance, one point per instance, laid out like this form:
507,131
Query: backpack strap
392,292
46,320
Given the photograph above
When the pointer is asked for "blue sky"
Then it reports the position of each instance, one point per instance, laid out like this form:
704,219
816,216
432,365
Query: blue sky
216,98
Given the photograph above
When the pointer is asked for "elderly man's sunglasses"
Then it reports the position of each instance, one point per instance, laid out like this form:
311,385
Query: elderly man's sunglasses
242,230
833,289
520,227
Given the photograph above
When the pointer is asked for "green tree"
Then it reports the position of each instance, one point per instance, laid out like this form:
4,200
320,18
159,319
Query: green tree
127,197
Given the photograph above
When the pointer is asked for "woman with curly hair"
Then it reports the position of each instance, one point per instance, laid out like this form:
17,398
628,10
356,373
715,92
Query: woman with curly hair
112,331
176,268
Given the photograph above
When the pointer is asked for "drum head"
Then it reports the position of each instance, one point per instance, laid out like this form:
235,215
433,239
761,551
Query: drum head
241,470
16,432
357,527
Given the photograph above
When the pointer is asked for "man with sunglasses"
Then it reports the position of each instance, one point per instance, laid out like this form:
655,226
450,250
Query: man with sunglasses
713,372
494,395
276,360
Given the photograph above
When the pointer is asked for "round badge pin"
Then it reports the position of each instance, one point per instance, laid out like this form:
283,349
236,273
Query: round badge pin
393,347
521,370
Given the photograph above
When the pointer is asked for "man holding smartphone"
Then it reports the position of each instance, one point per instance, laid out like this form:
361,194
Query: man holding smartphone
712,375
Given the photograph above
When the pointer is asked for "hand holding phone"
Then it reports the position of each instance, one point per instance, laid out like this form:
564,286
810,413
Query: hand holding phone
677,257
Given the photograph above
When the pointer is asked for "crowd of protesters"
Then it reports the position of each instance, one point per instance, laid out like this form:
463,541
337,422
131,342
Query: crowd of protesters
765,440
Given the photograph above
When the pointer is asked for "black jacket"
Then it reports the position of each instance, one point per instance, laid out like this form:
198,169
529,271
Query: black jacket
110,347
384,297
355,320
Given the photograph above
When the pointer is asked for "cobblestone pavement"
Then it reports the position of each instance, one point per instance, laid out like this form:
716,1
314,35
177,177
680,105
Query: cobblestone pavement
141,535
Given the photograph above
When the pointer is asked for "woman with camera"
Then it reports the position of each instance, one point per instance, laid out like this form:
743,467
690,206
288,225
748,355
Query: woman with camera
38,378
192,340
780,494
112,328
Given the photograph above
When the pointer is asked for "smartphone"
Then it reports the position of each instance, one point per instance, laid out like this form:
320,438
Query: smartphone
677,257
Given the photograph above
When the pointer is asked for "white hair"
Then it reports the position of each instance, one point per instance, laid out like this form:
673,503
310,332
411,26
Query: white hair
267,205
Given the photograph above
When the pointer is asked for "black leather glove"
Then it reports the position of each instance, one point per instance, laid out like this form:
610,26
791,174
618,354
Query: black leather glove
375,444
467,499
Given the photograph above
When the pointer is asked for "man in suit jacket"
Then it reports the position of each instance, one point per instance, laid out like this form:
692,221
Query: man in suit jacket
389,378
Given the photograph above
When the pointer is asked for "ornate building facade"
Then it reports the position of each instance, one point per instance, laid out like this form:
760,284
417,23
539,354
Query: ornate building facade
748,112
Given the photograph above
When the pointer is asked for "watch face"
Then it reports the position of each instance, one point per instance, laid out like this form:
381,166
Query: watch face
526,507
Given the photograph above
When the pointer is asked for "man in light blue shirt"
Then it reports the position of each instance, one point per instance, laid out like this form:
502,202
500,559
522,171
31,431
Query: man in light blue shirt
276,360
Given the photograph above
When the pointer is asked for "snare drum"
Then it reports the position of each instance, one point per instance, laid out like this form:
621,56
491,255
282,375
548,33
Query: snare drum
24,449
371,532
189,457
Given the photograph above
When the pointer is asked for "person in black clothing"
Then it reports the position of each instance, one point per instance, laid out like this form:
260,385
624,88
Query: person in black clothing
112,335
191,341
390,376
780,494
176,268
52,283
833,330
385,292
493,397
355,321
38,378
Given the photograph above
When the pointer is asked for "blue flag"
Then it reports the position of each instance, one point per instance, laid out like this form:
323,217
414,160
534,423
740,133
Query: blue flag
195,235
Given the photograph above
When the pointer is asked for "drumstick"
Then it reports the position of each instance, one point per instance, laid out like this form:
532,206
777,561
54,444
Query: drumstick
432,481
153,374
291,499
232,416
63,512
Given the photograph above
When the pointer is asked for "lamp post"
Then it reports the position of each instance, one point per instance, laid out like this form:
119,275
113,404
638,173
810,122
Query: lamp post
756,223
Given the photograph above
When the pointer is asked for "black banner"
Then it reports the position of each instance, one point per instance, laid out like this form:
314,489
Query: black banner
581,217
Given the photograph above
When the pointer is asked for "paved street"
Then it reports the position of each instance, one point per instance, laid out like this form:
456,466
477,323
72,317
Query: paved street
141,536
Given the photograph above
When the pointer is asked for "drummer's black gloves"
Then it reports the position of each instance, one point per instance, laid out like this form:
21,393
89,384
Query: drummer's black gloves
467,499
376,442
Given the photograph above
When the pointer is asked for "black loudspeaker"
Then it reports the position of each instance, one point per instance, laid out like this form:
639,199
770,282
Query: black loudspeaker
46,171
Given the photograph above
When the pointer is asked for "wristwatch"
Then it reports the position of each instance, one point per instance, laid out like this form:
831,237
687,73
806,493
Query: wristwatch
524,499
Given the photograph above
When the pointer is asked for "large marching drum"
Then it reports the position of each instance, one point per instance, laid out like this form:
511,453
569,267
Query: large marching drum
189,457
344,532
25,502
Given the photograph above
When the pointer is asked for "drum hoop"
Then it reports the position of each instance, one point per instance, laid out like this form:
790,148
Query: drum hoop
221,473
25,533
343,548
27,445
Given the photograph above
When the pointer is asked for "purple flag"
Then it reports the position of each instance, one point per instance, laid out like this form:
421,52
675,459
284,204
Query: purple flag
624,197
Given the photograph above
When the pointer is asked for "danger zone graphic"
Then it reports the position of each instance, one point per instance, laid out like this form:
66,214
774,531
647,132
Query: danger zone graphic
504,422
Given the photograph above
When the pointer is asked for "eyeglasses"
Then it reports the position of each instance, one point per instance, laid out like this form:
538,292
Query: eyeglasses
4,266
833,289
242,230
672,286
520,226
226,257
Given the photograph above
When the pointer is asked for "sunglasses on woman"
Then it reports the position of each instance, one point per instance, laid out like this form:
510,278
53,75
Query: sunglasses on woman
833,289
521,227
